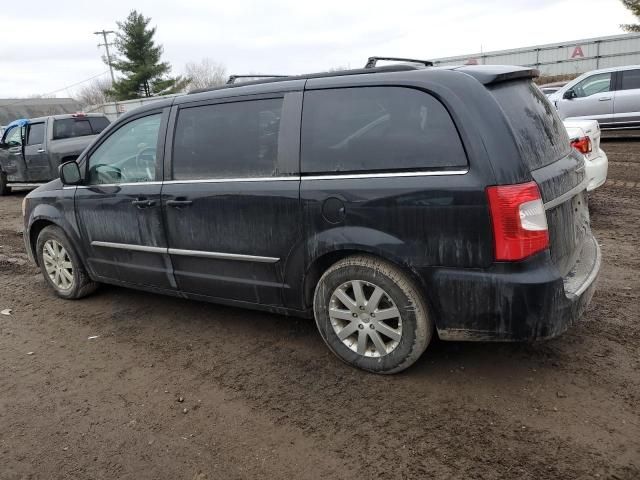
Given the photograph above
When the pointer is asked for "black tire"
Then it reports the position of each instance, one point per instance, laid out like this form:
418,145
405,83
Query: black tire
80,285
399,292
4,189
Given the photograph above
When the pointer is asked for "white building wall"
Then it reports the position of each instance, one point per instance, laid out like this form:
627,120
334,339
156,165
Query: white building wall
577,56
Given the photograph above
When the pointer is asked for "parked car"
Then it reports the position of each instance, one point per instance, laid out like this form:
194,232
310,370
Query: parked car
550,88
387,202
584,136
32,149
610,95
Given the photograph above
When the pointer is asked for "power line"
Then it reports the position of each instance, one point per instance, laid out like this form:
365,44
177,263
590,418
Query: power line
19,100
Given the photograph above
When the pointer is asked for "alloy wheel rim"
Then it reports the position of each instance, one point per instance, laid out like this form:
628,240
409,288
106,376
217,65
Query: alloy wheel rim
365,318
57,264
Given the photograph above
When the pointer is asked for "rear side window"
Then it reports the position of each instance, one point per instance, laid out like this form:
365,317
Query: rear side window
371,129
36,134
227,140
539,133
78,127
98,124
630,79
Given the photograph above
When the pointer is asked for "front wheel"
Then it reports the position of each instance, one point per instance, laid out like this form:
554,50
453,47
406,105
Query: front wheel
372,315
61,266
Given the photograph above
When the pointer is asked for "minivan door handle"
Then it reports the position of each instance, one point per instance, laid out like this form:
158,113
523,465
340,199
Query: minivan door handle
143,203
604,99
179,203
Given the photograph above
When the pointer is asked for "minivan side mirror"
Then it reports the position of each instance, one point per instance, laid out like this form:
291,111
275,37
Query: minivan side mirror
69,173
569,94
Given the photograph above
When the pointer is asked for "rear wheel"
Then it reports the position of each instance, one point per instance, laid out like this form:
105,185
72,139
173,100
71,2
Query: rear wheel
372,315
4,189
61,266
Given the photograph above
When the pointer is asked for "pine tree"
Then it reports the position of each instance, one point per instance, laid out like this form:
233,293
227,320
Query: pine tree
634,6
139,60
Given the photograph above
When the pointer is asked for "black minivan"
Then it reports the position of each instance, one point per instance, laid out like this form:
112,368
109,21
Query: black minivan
388,202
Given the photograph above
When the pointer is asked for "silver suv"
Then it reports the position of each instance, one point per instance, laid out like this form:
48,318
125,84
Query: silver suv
610,95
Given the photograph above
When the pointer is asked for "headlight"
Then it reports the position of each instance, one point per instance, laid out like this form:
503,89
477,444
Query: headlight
24,206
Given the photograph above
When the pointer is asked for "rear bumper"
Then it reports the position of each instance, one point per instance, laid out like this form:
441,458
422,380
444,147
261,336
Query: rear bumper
596,170
514,302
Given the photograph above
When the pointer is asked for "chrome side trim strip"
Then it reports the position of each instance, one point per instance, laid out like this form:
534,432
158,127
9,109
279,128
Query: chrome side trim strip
234,180
128,246
431,173
291,178
187,253
567,195
223,256
124,184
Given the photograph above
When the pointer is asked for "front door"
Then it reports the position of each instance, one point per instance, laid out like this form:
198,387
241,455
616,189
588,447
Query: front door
119,209
232,208
11,154
593,99
34,154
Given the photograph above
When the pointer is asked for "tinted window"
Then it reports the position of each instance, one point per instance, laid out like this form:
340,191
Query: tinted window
598,83
128,154
630,79
36,134
74,127
226,140
377,128
538,131
98,124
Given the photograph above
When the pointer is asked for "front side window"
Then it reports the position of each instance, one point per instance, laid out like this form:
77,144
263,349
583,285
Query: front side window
35,135
227,140
128,155
630,79
13,136
371,129
598,83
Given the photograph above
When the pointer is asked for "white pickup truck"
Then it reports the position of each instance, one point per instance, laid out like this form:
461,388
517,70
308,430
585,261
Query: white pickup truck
585,137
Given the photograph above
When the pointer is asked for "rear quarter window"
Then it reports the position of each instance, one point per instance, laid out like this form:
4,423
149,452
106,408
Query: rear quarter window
539,133
372,129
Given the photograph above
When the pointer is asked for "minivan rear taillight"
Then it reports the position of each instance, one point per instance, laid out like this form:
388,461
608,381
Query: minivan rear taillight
519,221
582,144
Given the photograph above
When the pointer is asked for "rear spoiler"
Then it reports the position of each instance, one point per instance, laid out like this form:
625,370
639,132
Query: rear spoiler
488,74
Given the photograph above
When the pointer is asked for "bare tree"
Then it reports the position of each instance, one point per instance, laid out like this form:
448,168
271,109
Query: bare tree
94,93
207,73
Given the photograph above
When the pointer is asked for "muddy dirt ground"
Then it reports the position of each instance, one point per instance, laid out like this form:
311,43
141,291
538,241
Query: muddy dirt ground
264,398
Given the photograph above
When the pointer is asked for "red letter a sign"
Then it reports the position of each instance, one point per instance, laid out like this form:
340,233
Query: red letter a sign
577,52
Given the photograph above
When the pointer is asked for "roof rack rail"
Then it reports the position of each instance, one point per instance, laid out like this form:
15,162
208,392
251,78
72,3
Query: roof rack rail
233,78
371,62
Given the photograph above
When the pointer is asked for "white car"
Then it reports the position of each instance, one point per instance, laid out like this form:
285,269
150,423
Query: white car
585,137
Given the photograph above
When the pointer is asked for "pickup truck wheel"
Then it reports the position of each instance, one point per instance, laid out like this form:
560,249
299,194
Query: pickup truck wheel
4,189
372,315
61,266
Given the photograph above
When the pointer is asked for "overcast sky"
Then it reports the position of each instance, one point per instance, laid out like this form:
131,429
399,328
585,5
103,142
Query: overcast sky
46,46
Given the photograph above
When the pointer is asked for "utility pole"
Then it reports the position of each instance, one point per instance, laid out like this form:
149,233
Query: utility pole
106,45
